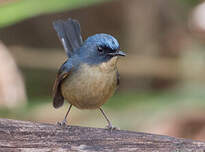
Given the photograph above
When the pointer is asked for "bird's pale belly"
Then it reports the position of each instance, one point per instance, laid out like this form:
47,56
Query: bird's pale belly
90,87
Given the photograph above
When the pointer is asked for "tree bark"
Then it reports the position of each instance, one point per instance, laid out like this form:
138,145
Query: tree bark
18,135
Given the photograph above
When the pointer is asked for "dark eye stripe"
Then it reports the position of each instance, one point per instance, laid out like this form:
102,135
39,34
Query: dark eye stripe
105,49
100,49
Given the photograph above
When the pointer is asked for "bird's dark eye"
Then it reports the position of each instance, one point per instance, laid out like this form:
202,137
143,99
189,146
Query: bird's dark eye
100,49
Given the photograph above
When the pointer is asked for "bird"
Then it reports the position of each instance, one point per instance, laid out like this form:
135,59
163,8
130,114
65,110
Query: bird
89,76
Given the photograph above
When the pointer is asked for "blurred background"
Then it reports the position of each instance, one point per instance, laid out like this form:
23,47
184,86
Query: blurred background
162,87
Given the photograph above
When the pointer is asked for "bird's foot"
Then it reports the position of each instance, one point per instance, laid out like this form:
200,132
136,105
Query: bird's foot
62,123
111,127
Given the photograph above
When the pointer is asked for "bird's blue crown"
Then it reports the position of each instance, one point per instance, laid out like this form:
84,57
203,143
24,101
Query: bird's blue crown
104,40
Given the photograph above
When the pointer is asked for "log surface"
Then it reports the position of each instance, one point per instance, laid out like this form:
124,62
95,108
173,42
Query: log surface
18,135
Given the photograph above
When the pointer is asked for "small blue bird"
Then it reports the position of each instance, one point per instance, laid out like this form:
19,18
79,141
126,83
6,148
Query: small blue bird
89,77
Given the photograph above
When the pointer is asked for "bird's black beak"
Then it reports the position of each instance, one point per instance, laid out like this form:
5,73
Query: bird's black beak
120,53
117,53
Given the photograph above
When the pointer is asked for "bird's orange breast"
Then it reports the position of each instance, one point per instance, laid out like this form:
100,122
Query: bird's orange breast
91,86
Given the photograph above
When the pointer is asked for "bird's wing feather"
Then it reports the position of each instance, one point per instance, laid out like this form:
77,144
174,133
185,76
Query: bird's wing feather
63,73
69,33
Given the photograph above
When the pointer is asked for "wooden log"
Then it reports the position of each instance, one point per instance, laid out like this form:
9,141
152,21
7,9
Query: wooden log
18,135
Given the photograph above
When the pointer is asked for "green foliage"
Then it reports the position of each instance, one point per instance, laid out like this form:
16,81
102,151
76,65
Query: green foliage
13,12
191,2
148,102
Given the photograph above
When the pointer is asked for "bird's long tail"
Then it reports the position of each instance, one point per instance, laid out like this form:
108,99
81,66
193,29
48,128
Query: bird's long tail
69,34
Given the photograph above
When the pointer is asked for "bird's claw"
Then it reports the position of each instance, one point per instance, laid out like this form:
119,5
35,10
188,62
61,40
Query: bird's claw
111,128
62,123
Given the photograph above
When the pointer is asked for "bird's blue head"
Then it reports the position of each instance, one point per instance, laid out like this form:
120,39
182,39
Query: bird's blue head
101,48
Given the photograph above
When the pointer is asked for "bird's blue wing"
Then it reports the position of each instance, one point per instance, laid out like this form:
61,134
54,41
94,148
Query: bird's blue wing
63,73
69,34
